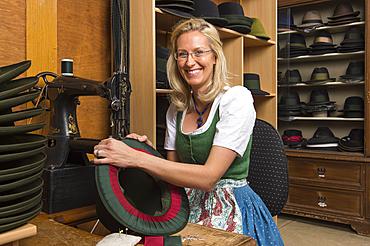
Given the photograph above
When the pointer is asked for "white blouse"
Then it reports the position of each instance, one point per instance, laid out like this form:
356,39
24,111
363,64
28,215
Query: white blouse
233,130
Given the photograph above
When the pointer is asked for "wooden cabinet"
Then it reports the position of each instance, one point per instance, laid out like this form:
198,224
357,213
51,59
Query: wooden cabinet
244,53
329,185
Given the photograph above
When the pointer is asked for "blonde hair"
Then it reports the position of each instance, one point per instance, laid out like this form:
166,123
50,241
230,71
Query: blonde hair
181,91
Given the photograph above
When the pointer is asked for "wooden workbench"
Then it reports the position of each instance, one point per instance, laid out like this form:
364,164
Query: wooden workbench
67,228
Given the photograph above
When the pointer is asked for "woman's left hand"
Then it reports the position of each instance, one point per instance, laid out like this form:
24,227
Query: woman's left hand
114,152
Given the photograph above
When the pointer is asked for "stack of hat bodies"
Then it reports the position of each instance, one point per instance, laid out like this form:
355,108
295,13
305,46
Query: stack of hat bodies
21,153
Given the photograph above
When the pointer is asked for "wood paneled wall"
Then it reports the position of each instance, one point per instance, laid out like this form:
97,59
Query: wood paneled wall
45,31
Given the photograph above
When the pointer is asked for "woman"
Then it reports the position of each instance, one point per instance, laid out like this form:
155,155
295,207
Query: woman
208,138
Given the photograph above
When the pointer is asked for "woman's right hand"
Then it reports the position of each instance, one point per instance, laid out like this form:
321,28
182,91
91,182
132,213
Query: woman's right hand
140,138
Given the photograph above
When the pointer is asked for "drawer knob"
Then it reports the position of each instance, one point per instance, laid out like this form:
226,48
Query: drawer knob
321,172
322,202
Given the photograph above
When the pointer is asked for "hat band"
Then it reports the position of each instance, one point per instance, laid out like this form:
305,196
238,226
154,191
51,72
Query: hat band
312,21
320,76
292,138
323,40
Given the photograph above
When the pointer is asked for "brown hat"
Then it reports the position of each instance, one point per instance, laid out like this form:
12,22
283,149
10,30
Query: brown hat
311,18
343,9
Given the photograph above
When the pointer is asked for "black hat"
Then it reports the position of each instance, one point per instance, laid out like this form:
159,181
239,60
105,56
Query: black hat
353,107
234,14
354,71
290,101
353,37
291,77
252,82
319,97
320,75
285,20
10,117
343,9
22,142
354,142
134,199
11,71
323,137
18,99
13,87
208,10
181,8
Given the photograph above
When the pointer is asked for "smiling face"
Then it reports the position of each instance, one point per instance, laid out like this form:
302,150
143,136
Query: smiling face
197,70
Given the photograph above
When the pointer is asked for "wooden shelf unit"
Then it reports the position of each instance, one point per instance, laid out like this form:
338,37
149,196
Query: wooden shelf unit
330,185
244,53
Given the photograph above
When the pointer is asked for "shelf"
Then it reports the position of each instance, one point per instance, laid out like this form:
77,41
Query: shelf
330,29
293,118
337,83
163,91
165,22
321,154
326,57
262,96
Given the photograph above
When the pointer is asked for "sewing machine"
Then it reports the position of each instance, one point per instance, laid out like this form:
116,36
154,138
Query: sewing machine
68,174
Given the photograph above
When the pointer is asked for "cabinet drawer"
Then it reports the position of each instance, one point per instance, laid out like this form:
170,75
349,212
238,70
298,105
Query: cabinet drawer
335,173
326,200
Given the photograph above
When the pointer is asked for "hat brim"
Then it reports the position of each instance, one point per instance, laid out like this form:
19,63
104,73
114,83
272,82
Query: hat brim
319,81
11,71
239,28
310,25
20,115
178,13
354,14
218,21
259,92
118,206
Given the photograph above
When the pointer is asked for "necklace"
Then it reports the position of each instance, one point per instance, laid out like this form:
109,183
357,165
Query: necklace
200,114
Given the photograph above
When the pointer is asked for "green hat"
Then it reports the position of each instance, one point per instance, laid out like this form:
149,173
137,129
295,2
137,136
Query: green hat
18,99
21,142
131,198
258,30
11,130
11,71
10,117
13,87
20,205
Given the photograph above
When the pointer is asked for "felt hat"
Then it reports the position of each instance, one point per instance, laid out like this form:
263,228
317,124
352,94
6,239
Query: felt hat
252,82
293,138
353,107
320,75
19,155
234,14
22,191
18,99
291,77
258,30
290,101
319,97
20,205
285,20
21,142
354,142
208,11
13,87
343,9
323,135
19,129
181,8
10,117
354,71
24,164
311,18
11,71
131,198
18,220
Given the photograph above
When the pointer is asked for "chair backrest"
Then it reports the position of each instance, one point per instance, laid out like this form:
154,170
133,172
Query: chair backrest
268,168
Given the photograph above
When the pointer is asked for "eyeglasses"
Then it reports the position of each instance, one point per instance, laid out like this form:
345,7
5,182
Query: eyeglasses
183,55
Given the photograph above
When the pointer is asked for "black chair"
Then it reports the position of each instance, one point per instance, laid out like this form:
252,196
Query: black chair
268,168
